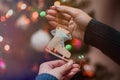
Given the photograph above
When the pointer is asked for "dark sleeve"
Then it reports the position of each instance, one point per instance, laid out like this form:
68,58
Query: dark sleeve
104,38
45,76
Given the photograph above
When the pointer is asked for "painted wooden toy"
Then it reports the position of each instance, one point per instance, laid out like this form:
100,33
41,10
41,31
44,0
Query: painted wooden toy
56,45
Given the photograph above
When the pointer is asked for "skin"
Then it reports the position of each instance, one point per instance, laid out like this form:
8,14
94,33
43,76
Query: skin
60,69
75,21
72,19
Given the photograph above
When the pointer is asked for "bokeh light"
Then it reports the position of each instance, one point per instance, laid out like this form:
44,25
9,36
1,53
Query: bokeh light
35,16
42,13
27,21
35,68
56,3
88,70
39,40
2,64
2,18
77,43
9,13
21,5
63,0
81,56
7,47
23,22
68,47
1,38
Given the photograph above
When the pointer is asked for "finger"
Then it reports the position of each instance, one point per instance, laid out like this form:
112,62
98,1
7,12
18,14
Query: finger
71,22
55,63
52,12
65,68
66,16
55,24
72,26
69,10
50,17
61,21
58,15
71,74
76,66
75,70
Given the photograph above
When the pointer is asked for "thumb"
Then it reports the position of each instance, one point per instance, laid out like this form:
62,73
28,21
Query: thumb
69,10
65,68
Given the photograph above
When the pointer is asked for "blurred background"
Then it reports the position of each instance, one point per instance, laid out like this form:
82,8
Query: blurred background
25,32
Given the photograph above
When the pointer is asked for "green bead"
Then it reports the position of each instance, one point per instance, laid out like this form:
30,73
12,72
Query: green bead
68,47
42,13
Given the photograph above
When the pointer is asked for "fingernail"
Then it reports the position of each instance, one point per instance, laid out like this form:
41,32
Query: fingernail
58,7
70,63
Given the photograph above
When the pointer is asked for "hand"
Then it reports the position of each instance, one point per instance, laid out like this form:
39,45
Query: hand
60,69
63,15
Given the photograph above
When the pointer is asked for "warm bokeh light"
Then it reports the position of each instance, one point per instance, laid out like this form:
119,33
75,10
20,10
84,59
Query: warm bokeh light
77,43
23,22
88,70
9,13
21,5
56,3
7,47
34,16
2,18
27,21
35,68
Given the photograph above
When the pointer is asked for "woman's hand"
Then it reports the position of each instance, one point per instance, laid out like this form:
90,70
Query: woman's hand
72,19
60,69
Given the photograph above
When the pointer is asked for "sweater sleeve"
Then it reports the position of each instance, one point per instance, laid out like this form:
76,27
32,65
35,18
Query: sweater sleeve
45,76
104,38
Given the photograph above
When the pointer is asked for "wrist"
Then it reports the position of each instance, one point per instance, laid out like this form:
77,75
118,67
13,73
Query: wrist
46,76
